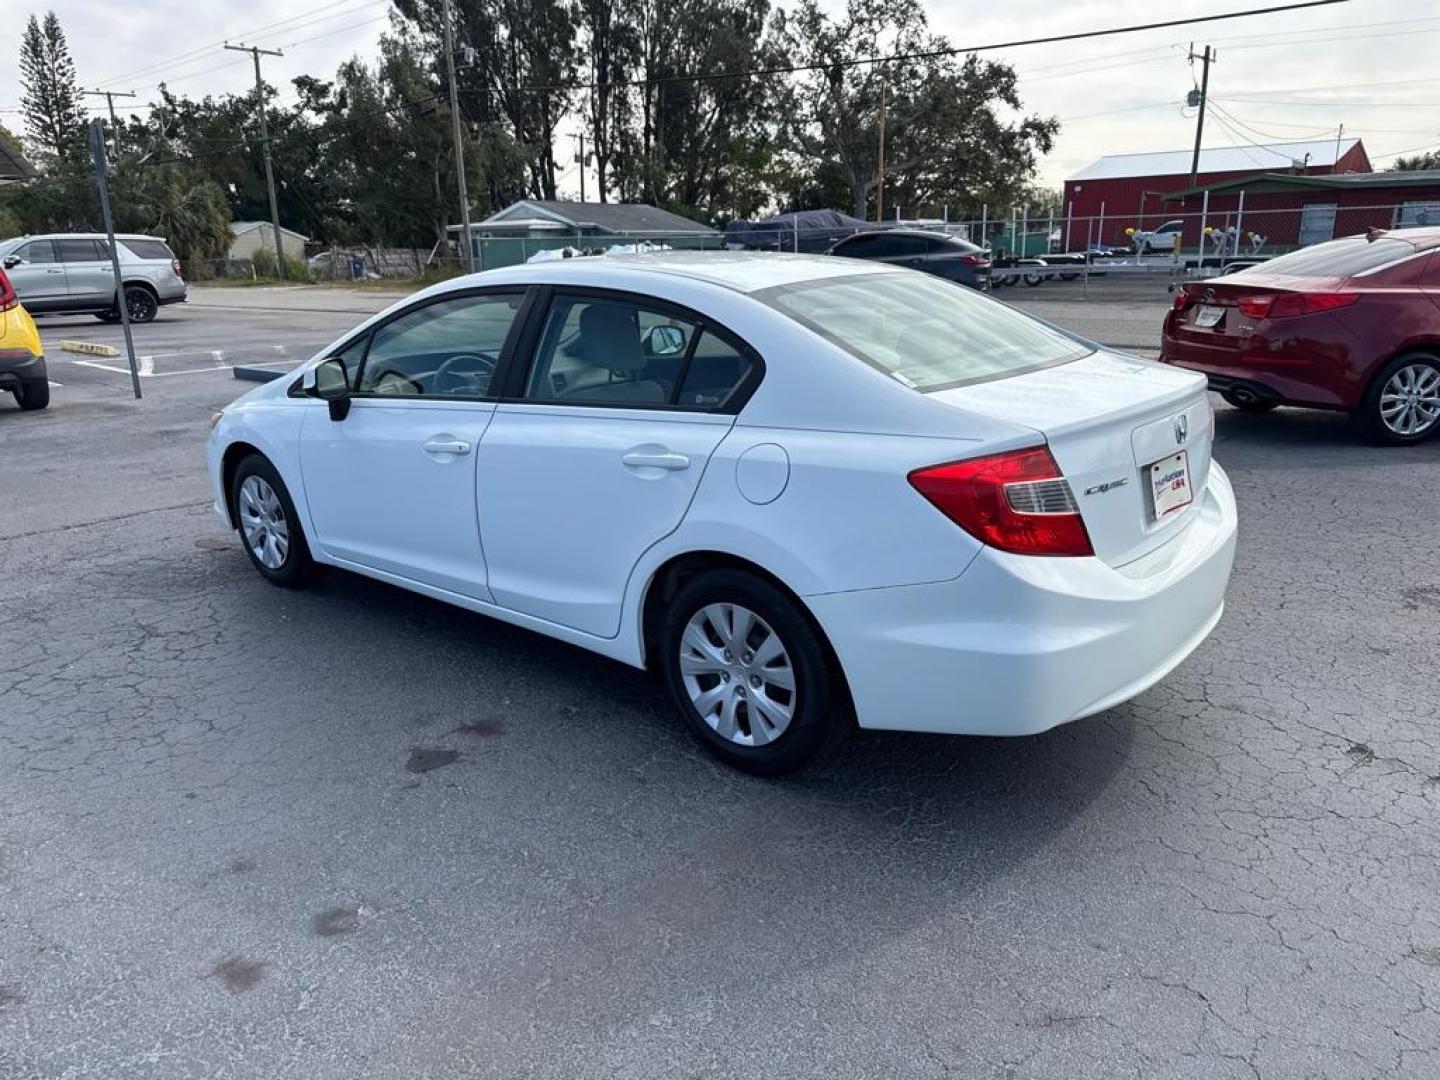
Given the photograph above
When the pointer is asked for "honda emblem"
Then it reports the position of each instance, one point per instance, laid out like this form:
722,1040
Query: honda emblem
1182,429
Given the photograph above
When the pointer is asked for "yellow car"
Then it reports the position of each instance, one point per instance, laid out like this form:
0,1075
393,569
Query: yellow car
22,357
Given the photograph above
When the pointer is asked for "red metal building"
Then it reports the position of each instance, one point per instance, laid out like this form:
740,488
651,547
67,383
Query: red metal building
1123,191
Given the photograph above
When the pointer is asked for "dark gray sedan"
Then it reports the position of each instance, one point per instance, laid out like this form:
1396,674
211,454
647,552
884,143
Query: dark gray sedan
934,253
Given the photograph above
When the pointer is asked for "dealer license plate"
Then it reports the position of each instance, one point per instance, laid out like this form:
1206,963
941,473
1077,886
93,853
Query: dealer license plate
1170,485
1207,316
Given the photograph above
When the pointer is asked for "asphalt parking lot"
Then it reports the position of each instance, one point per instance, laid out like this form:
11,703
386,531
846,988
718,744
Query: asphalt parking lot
352,832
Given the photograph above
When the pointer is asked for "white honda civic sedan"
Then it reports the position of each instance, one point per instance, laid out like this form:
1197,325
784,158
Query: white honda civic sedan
806,491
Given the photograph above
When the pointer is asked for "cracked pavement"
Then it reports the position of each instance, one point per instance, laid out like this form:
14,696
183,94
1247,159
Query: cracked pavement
353,832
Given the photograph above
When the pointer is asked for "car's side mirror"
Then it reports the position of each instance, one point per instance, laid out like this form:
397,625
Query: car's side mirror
12,261
664,340
330,382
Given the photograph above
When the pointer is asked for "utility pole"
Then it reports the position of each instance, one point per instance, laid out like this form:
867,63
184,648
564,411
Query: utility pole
580,159
110,96
265,140
1205,59
459,135
102,168
880,188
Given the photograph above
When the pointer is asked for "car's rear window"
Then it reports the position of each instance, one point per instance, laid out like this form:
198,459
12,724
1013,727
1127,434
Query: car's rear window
149,249
1337,258
924,331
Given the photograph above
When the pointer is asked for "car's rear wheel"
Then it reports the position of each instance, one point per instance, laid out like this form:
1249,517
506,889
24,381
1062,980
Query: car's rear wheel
33,394
1249,403
140,303
1402,405
750,674
268,524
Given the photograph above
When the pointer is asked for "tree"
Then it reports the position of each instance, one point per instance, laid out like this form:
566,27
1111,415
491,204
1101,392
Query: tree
1429,160
702,144
175,202
611,51
946,142
525,58
50,94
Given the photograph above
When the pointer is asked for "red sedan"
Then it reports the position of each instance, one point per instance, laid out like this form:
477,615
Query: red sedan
1351,324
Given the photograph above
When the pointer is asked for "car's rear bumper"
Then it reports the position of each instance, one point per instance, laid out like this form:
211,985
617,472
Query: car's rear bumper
17,365
1017,645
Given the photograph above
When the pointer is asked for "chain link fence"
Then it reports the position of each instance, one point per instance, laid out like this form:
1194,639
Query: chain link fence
1084,256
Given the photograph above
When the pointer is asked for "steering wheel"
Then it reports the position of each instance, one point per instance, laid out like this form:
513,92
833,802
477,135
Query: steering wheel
447,380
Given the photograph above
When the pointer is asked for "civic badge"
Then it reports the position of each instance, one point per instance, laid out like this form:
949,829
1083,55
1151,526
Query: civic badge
1182,429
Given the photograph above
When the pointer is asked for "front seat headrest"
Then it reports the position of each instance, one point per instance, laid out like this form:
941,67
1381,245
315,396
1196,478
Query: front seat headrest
611,338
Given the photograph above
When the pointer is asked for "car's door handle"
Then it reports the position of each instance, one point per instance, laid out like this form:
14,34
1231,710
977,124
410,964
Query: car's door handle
655,459
54,271
442,444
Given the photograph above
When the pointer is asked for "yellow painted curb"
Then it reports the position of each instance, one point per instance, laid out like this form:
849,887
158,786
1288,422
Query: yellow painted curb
89,347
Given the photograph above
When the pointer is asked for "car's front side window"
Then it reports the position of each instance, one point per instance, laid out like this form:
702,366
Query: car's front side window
37,251
449,348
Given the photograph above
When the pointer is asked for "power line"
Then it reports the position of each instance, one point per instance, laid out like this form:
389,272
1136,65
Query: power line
924,54
265,30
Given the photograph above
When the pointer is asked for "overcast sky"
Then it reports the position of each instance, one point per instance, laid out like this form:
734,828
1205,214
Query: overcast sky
1368,64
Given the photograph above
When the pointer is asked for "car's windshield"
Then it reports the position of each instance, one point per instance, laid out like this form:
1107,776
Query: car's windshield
924,331
1338,258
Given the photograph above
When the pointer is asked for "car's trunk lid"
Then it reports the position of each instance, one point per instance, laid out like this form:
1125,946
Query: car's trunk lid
1212,318
1108,419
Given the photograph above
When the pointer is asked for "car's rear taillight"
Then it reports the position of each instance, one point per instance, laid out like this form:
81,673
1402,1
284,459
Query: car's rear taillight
1181,300
974,260
175,267
8,299
1287,304
1018,502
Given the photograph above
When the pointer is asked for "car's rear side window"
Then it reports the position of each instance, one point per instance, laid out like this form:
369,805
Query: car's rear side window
81,250
927,333
148,249
1338,258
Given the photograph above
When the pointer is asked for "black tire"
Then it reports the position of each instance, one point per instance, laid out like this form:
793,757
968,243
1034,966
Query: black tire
1369,416
141,304
297,569
33,394
820,711
1249,405
111,316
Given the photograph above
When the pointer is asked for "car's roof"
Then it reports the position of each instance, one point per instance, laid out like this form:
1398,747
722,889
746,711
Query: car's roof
1422,236
742,271
83,236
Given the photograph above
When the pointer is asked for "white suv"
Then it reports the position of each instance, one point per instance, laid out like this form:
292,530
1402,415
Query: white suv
72,272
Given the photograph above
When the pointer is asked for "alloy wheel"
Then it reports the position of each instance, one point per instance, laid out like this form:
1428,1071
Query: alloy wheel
262,521
140,305
1410,400
737,674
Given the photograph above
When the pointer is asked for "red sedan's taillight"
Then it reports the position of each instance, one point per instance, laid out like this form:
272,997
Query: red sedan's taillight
1287,304
1181,300
1018,502
8,299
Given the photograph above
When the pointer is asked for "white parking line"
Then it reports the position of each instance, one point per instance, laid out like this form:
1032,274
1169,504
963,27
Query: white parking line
151,374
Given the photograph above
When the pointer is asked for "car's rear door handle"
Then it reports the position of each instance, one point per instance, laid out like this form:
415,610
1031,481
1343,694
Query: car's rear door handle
443,444
655,459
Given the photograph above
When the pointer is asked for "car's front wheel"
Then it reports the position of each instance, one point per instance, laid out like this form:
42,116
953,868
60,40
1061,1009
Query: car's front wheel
750,674
1402,405
268,524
